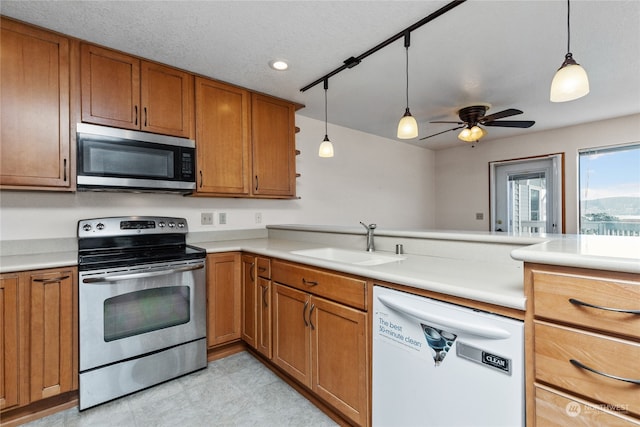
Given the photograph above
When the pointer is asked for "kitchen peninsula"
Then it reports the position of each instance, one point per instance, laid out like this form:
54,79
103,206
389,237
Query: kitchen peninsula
492,272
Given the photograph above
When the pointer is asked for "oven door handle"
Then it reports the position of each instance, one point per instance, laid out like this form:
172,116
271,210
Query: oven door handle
141,275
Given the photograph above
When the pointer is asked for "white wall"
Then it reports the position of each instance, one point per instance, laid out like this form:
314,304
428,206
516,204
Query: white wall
462,173
370,179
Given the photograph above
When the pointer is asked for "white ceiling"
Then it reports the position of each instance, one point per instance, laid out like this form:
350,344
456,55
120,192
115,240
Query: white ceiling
499,52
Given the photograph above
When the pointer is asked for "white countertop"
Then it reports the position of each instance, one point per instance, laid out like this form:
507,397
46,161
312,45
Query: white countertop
494,283
613,253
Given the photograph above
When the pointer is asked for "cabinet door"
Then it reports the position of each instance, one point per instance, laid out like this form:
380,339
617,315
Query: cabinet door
263,316
273,136
223,298
222,138
249,289
51,332
9,342
339,357
166,99
110,85
291,338
34,108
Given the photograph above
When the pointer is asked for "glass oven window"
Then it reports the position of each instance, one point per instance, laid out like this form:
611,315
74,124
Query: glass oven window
145,311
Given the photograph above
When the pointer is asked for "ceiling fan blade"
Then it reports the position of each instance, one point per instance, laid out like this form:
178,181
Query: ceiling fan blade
439,133
511,123
499,115
441,121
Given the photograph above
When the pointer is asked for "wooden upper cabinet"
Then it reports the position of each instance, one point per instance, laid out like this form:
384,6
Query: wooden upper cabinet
34,82
273,137
123,91
222,138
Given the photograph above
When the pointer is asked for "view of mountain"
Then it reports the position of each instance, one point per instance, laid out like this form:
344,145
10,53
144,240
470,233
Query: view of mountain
614,206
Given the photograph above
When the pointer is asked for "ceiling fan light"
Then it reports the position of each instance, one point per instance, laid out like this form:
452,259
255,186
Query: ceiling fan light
326,148
477,132
465,135
570,81
408,127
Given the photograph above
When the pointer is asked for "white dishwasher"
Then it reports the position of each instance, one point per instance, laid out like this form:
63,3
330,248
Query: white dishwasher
440,364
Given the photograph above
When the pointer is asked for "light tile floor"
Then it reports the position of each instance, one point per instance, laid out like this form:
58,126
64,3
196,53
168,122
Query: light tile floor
235,391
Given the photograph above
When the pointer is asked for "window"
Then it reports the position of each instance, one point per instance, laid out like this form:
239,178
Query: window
526,195
609,190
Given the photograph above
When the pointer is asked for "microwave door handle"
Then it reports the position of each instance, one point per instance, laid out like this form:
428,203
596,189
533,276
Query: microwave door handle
478,329
119,277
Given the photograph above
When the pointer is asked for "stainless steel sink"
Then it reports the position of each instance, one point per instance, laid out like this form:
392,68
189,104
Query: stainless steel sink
349,256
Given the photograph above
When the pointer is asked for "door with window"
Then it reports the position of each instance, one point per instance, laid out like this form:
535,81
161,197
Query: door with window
526,195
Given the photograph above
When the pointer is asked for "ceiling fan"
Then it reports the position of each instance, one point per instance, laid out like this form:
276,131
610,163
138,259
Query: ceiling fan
473,116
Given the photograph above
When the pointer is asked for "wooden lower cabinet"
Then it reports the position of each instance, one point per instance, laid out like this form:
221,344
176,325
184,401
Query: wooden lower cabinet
322,344
39,340
249,320
263,317
223,298
256,298
585,346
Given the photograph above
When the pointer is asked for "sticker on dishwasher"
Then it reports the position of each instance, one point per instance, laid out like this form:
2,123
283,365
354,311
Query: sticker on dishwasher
435,341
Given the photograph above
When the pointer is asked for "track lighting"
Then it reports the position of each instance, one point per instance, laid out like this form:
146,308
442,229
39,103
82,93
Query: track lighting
570,81
326,147
408,127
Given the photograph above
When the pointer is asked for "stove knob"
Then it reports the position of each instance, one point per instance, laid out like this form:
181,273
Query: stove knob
181,225
86,227
100,226
161,224
172,224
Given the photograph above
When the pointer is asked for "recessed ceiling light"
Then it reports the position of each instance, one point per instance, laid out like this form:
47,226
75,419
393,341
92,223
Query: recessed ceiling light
278,64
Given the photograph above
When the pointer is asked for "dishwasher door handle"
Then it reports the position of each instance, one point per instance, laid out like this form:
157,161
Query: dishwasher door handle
478,329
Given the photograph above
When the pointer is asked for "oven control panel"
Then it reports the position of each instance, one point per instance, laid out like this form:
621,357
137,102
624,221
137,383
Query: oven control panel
131,225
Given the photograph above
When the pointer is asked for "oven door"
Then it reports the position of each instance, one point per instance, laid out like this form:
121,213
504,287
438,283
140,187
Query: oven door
127,313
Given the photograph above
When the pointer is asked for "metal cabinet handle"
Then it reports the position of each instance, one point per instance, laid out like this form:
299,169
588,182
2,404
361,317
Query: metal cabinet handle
256,182
145,116
262,268
136,112
599,307
64,168
313,306
604,374
304,311
264,296
309,282
51,280
251,274
200,178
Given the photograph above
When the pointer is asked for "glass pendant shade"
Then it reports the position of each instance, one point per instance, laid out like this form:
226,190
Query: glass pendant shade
570,82
408,127
472,134
326,148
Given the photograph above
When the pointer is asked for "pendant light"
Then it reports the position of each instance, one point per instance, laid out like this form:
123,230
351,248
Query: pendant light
326,148
408,127
571,81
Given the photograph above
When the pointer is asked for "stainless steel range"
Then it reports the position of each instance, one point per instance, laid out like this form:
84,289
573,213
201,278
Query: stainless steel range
142,305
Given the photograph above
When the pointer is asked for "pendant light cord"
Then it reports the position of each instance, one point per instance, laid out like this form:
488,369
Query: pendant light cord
326,87
407,43
568,26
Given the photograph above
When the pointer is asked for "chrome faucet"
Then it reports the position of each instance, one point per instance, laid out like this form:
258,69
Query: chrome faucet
370,228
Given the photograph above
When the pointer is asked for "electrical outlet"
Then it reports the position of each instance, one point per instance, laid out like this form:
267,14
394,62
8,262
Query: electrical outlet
222,218
479,215
258,217
206,218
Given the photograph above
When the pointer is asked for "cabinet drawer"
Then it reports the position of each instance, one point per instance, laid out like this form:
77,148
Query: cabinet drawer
555,346
336,287
552,292
556,409
264,267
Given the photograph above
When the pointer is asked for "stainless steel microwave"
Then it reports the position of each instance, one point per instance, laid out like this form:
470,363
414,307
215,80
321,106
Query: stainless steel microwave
110,159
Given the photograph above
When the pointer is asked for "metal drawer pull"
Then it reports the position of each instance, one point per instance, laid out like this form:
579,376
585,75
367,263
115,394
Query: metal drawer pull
599,307
51,280
262,268
141,275
304,311
613,377
264,296
309,282
313,306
